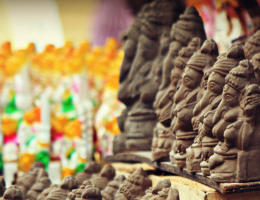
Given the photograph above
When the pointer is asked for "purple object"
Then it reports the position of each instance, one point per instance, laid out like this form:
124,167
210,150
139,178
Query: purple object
112,17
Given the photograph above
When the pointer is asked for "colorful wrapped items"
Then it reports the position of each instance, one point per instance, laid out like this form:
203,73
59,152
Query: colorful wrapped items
100,65
34,136
110,108
15,97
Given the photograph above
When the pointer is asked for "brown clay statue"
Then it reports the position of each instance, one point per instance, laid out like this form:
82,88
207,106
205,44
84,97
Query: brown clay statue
134,186
153,191
46,192
2,186
91,193
38,187
202,147
27,181
252,45
110,191
256,63
186,98
140,73
76,194
13,193
163,137
91,168
237,150
188,26
101,180
68,184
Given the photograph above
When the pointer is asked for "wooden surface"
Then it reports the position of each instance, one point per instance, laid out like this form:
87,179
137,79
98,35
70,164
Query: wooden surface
192,190
130,168
145,157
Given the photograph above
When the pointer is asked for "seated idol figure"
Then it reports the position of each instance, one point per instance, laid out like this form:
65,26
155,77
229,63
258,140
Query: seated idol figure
229,120
140,73
134,186
163,137
252,45
186,98
202,147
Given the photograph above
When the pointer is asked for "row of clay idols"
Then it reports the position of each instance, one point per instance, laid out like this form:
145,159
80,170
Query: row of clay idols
96,186
145,74
192,102
214,113
179,91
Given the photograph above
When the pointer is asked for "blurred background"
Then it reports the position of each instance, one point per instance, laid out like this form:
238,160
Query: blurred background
59,72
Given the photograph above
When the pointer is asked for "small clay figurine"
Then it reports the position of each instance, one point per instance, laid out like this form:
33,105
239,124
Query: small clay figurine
188,26
41,173
110,191
134,186
37,165
256,63
27,181
186,98
140,73
2,186
38,187
202,147
91,168
163,137
101,180
252,45
152,192
68,184
46,192
91,193
13,193
237,151
76,194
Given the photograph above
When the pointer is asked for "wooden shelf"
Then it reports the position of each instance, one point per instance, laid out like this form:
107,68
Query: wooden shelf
145,157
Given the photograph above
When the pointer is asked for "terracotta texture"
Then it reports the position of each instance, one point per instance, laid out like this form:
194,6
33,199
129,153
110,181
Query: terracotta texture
256,63
46,192
91,168
101,180
163,137
236,122
91,193
140,74
188,26
27,181
252,45
77,193
134,186
186,98
13,193
37,188
68,184
153,192
202,147
110,191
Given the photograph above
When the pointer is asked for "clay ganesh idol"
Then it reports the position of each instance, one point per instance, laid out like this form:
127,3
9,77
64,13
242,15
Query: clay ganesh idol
163,137
101,180
202,147
134,186
91,168
140,73
236,157
252,45
110,191
189,26
162,191
186,98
